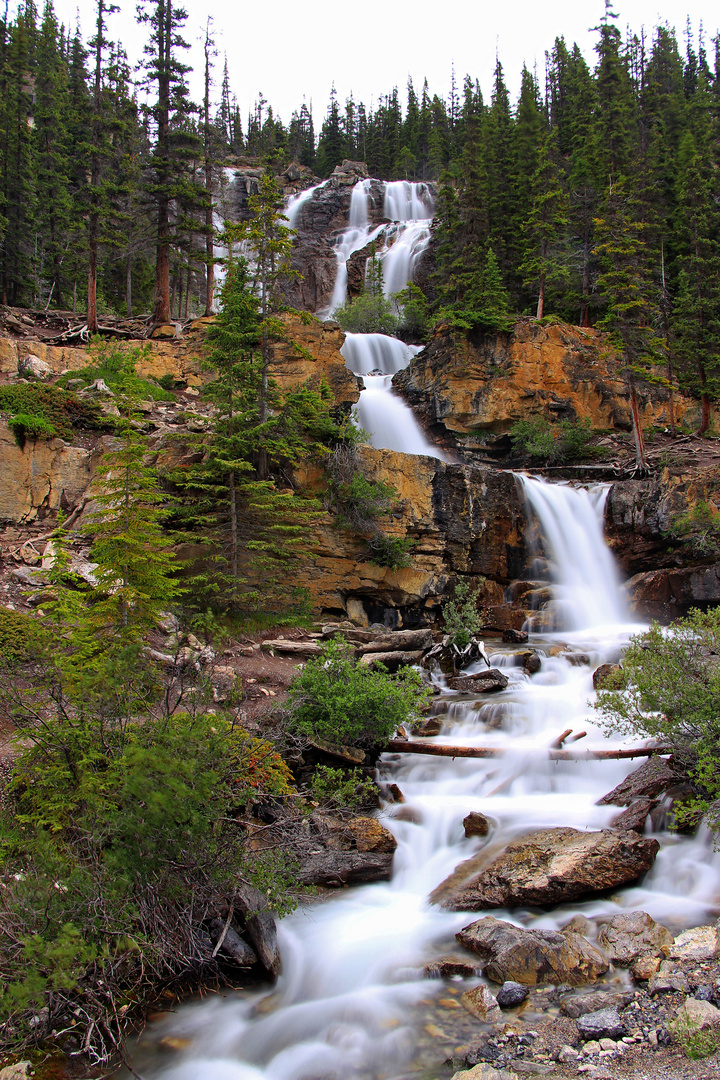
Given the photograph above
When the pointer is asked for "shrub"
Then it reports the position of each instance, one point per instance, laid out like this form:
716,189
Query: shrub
342,702
60,408
357,501
538,440
33,427
342,789
368,314
699,527
696,1042
461,616
18,633
392,551
670,693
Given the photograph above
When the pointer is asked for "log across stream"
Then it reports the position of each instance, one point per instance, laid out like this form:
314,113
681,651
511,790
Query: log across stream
354,999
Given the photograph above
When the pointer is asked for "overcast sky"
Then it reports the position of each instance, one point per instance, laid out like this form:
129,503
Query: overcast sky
291,52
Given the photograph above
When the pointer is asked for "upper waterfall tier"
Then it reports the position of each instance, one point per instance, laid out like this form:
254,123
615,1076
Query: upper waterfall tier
340,224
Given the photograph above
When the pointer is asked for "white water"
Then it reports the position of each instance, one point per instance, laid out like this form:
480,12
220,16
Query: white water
410,208
346,1003
296,203
389,421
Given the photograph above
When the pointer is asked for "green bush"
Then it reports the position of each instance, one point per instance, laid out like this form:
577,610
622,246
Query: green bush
413,320
30,427
695,1042
18,633
462,619
537,440
670,692
52,405
111,364
342,789
699,527
339,701
392,551
368,314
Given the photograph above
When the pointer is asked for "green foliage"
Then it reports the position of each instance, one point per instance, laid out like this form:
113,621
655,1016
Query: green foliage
18,633
356,501
670,693
462,619
413,319
342,789
368,313
538,440
61,410
699,527
33,427
392,551
111,365
342,702
695,1042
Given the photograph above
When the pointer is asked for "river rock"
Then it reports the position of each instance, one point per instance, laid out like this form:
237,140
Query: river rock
260,927
632,934
603,675
480,1003
233,945
483,1071
447,966
553,866
429,728
532,957
635,816
604,1024
701,943
476,824
650,780
511,994
695,1014
515,637
484,682
574,1007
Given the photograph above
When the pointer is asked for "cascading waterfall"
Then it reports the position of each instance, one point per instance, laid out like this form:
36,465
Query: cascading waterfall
295,204
352,1000
389,421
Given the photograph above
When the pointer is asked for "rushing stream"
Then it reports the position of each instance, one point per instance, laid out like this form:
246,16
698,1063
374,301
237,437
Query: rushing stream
352,1000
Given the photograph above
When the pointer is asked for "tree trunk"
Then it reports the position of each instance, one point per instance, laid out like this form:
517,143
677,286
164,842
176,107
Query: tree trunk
161,312
128,287
209,224
640,460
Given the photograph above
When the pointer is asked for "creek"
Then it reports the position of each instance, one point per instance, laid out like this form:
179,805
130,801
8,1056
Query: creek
352,1000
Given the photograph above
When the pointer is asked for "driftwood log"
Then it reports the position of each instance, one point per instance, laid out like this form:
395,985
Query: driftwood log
402,746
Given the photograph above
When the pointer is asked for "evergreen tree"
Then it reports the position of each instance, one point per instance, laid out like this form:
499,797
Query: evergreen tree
544,264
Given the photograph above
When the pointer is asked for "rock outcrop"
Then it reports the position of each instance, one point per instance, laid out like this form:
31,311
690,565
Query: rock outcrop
549,867
470,390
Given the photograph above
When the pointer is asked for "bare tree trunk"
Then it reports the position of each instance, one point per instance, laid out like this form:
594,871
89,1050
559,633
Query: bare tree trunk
640,460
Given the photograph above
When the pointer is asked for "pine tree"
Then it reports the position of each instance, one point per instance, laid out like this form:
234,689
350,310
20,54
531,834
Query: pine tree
544,264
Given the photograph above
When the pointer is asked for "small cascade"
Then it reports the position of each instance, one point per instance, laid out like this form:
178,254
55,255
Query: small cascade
389,421
586,584
358,234
295,204
408,202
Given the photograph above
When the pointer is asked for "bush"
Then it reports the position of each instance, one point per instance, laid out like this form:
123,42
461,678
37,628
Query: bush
33,427
111,365
461,616
538,440
696,1042
342,789
59,408
356,501
339,701
699,528
368,314
392,551
670,693
18,633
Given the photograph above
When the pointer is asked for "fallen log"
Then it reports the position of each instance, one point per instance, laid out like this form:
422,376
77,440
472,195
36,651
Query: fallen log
401,746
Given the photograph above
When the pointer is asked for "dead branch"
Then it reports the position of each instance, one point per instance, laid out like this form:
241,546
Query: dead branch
401,746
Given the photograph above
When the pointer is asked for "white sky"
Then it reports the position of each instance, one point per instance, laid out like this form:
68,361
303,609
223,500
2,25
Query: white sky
295,51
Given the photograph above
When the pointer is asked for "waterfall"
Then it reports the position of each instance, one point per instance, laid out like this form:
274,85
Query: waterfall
586,582
389,421
353,1000
293,210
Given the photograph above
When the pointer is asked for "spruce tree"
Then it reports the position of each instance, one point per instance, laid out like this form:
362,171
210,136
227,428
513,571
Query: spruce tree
544,264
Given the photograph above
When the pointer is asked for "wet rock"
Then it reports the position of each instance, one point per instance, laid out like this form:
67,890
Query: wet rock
604,1024
604,676
481,1004
632,934
635,816
579,924
336,869
445,967
260,927
695,1014
483,1071
532,663
515,637
698,944
429,728
476,824
532,957
484,682
233,946
650,780
553,866
511,994
585,1004
577,659
645,967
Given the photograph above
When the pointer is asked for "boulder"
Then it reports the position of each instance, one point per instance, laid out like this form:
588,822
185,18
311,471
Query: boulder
635,816
632,934
593,1003
603,676
515,637
484,682
695,1014
650,780
553,866
233,946
33,367
604,1024
476,824
532,957
532,663
701,943
260,927
222,679
429,728
481,1004
511,994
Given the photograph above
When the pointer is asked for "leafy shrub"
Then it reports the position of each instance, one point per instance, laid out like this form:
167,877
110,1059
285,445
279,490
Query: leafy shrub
33,427
670,693
392,551
367,314
538,440
18,632
342,789
111,365
413,320
342,702
60,408
461,616
699,527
